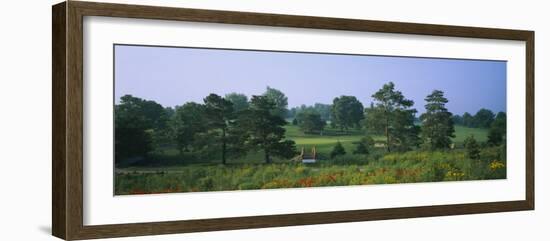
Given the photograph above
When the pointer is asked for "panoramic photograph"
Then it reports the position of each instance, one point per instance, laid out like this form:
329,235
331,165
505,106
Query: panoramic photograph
204,119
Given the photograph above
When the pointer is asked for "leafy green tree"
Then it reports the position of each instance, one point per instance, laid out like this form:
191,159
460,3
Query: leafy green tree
264,129
187,123
472,147
483,118
337,150
310,121
295,121
240,101
219,115
280,101
468,120
437,124
347,112
497,132
364,145
136,120
392,116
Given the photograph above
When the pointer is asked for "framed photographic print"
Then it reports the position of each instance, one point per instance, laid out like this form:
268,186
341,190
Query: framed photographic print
170,120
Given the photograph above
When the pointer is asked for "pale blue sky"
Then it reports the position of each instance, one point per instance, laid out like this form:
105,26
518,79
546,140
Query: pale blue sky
173,76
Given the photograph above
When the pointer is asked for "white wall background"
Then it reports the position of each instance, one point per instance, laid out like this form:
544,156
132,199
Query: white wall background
25,122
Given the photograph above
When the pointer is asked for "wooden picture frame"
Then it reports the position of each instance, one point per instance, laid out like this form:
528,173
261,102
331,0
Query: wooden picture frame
67,125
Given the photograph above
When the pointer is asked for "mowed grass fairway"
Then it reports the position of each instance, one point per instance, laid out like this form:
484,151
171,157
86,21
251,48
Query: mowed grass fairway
324,143
174,173
461,132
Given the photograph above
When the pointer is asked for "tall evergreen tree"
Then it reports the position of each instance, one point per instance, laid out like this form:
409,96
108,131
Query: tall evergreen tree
472,147
337,150
264,129
437,124
391,115
219,115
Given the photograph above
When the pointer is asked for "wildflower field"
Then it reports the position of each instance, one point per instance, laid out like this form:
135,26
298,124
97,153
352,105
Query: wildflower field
349,169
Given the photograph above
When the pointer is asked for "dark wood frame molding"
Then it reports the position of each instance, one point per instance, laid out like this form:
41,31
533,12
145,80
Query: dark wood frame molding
67,123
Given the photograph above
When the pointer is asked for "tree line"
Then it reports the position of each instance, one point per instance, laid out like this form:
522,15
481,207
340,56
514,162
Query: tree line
392,116
233,125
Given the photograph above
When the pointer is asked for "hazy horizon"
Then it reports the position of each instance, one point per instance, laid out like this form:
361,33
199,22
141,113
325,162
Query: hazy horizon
173,76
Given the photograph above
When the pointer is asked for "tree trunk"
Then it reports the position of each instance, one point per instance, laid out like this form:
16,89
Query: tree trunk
387,136
266,156
224,147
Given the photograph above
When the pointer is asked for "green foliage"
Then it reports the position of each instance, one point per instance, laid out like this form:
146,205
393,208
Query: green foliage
497,132
392,116
364,145
310,122
279,100
472,148
483,118
135,122
337,150
179,150
264,130
347,112
323,110
347,169
437,125
219,115
239,101
187,124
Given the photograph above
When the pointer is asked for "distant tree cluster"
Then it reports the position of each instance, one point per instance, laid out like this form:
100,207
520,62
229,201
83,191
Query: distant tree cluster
482,119
324,111
231,124
309,121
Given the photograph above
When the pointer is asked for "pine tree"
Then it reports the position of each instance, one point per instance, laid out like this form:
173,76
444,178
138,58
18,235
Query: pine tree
338,150
472,147
264,129
437,123
393,116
